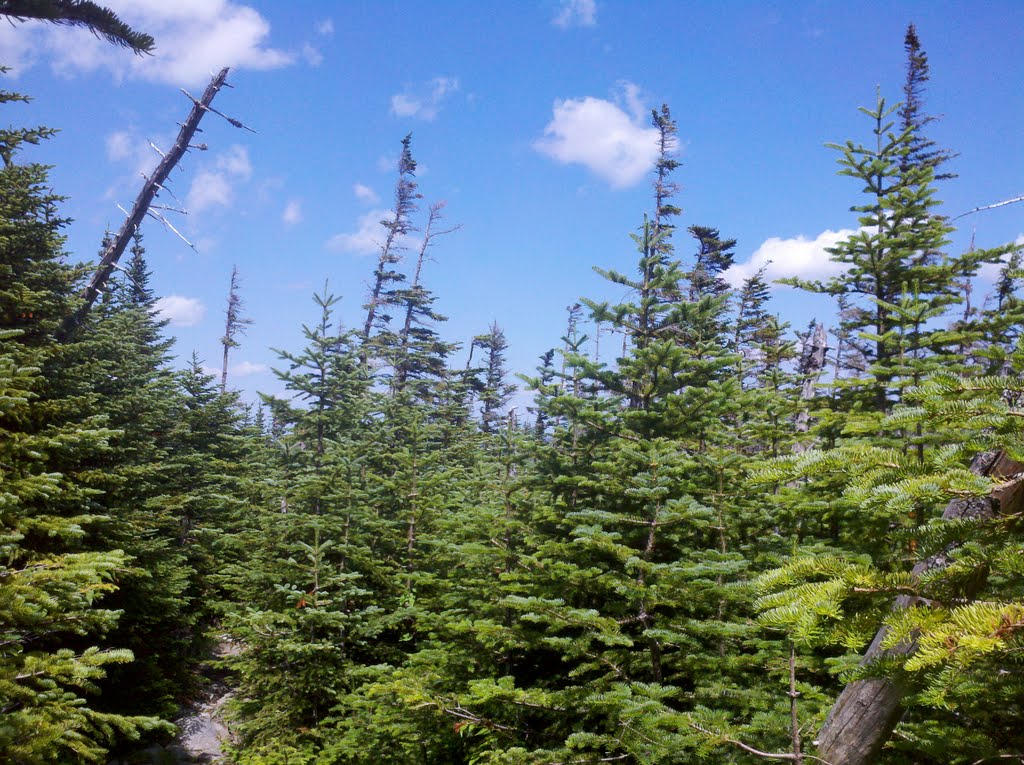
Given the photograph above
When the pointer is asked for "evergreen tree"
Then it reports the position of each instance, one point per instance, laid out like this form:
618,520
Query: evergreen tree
53,575
714,256
922,151
419,353
96,18
383,297
495,390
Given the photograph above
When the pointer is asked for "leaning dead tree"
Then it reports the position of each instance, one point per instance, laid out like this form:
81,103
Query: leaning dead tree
867,711
144,202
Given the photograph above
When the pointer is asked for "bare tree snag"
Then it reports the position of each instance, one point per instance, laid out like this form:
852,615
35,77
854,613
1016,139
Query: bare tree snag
153,185
812,364
234,325
867,711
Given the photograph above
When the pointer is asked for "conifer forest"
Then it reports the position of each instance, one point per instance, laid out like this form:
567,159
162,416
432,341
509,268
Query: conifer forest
717,538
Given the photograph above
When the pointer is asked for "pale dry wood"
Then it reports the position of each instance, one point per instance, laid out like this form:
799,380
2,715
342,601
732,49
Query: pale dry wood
153,184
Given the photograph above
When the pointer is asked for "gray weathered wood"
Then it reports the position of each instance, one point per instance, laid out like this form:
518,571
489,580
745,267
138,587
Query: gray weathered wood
867,711
153,184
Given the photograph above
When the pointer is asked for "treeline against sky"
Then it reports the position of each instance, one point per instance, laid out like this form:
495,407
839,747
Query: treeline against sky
678,552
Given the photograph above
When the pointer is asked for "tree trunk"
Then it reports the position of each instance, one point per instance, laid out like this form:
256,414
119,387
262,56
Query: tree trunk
867,711
150,188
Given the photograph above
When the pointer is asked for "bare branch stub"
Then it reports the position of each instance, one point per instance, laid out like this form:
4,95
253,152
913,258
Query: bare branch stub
141,208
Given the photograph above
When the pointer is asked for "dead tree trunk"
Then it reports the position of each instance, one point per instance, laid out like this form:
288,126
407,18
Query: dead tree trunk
234,325
141,207
812,363
867,711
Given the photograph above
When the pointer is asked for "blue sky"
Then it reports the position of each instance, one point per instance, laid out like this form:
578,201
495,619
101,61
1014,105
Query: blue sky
530,120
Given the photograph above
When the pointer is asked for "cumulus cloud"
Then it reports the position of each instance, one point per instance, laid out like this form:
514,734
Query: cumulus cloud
194,37
213,185
312,55
181,311
121,145
292,213
246,368
798,256
365,194
18,49
576,13
424,102
129,147
325,28
366,239
612,142
235,162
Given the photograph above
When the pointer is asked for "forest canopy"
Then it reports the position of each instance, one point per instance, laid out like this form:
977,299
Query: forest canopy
692,533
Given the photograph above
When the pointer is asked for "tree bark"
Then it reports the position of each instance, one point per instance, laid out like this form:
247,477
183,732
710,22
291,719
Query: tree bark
142,203
867,711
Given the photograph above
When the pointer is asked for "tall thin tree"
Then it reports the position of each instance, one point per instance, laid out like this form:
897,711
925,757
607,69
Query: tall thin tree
235,324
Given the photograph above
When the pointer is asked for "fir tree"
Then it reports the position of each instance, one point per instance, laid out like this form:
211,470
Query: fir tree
382,296
922,151
54,577
99,20
495,390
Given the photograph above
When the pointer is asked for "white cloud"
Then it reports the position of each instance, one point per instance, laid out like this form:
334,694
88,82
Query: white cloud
235,162
799,256
365,194
610,141
208,189
367,237
129,147
292,213
246,368
325,28
214,186
120,145
575,13
181,311
193,38
312,55
19,52
425,101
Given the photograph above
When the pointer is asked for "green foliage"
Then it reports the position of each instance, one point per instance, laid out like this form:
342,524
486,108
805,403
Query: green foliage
679,558
99,20
56,575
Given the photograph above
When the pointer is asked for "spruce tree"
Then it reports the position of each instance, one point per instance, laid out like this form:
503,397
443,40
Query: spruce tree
923,151
55,571
383,296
